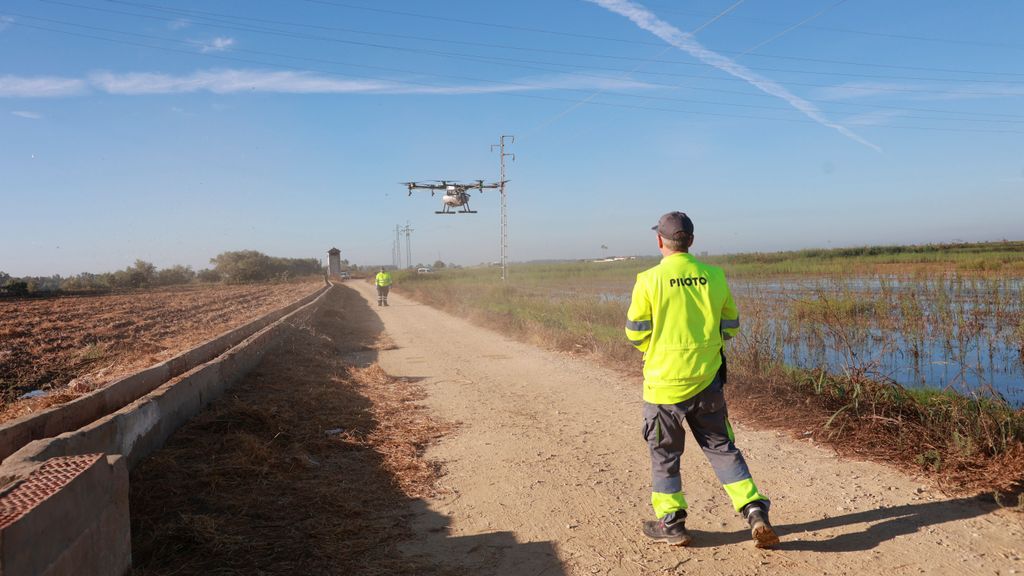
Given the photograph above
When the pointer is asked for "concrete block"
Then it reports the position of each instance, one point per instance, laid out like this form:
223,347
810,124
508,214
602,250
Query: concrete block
65,509
125,390
69,516
81,411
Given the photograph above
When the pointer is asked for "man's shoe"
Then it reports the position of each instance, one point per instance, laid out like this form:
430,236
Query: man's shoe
671,532
760,528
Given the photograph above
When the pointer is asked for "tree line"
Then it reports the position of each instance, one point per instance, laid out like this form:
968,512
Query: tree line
238,267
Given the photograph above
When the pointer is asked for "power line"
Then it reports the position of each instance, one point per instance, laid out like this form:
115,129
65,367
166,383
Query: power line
498,60
226,19
799,24
420,83
864,32
596,93
623,40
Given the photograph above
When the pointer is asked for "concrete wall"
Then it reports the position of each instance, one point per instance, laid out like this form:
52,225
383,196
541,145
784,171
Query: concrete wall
85,409
80,527
68,517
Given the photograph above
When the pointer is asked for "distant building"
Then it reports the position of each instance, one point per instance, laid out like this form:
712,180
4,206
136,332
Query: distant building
334,262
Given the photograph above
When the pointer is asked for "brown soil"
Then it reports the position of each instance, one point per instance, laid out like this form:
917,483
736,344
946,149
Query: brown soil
87,341
546,473
308,467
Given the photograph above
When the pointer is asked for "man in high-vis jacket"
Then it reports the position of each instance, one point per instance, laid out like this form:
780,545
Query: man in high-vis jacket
383,282
679,317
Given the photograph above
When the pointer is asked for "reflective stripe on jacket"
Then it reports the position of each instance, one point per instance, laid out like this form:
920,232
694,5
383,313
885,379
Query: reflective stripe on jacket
383,278
680,314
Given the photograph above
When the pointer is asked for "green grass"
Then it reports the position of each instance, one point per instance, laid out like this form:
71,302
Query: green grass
985,257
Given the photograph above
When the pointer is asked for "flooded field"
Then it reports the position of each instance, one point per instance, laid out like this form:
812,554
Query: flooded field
964,334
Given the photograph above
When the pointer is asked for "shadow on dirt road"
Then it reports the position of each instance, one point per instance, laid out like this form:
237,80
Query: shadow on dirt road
885,524
310,465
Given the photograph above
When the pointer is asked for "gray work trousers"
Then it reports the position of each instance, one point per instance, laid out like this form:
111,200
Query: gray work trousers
707,417
382,294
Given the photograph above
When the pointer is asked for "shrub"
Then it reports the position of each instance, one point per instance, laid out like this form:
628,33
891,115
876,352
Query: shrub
19,288
208,275
252,266
175,275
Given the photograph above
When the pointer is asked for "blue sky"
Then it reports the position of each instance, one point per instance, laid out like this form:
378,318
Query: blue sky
172,131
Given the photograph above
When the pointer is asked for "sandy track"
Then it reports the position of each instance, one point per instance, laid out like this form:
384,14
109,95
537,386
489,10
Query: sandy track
548,475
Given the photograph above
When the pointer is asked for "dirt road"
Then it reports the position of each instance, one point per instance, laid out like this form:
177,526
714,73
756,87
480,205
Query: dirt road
547,474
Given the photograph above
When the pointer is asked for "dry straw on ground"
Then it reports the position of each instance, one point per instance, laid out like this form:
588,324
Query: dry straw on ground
307,467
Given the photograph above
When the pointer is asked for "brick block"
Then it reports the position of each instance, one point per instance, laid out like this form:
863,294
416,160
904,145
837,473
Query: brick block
69,516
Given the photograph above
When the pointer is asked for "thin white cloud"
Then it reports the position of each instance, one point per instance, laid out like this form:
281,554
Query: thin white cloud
558,82
5,22
234,81
852,90
876,118
218,44
648,21
920,91
40,87
178,24
27,114
229,82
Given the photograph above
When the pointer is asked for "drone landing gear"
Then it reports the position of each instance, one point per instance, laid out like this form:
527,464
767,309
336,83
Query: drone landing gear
447,211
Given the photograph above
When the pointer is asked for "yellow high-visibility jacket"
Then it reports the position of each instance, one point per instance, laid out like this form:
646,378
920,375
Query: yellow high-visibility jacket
383,278
680,315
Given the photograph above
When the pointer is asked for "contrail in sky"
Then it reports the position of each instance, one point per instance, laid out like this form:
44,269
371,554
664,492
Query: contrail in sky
648,21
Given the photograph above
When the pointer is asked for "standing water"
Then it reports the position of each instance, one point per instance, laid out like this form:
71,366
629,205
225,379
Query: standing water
960,334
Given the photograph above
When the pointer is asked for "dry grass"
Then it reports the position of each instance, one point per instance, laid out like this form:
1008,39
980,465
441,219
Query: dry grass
308,467
922,434
963,444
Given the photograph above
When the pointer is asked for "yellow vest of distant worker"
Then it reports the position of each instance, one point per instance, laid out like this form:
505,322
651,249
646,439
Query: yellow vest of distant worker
680,315
383,279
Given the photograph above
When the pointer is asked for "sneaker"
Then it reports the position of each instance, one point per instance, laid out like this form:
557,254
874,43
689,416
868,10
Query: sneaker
671,531
760,528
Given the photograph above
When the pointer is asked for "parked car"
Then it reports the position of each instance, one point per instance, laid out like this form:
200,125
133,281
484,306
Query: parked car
344,275
423,270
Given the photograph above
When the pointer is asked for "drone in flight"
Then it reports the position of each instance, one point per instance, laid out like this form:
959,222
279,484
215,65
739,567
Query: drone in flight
455,193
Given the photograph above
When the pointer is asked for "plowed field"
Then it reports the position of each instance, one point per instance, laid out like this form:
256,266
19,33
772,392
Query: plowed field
76,344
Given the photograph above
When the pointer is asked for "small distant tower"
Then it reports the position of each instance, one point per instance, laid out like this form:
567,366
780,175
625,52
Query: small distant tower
334,262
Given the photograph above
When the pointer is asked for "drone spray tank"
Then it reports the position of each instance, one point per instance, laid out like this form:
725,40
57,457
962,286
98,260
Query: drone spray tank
453,198
455,194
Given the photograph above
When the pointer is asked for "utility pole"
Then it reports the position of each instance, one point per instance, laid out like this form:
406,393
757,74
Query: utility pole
408,245
398,247
504,202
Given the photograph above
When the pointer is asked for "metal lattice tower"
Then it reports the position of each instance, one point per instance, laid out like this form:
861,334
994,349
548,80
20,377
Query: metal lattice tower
408,244
504,202
398,246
